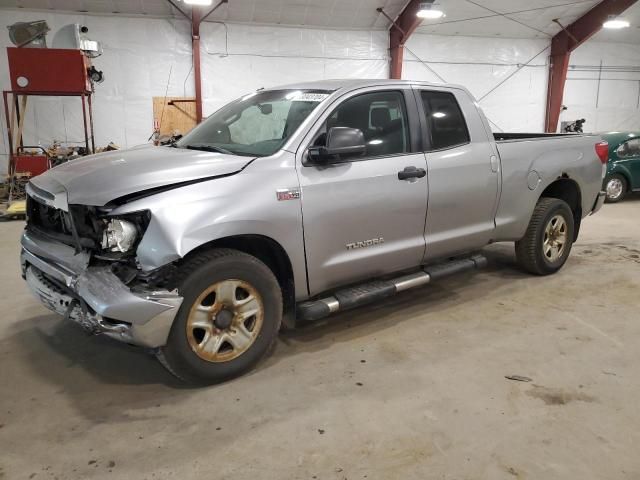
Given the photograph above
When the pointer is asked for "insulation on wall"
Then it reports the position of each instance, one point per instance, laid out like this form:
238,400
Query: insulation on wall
138,56
241,58
146,57
508,76
603,87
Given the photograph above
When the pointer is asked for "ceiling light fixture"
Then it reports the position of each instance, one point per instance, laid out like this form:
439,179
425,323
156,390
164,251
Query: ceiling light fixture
427,11
616,23
198,2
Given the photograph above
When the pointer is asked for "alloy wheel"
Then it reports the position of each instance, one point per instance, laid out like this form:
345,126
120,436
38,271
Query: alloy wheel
555,238
225,320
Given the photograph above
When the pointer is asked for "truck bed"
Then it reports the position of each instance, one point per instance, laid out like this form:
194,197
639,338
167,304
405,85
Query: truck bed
530,161
509,137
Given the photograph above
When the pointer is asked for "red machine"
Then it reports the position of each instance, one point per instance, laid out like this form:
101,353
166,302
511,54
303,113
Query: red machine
27,161
44,72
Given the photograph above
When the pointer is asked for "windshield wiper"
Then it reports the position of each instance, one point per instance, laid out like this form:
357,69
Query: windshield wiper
209,148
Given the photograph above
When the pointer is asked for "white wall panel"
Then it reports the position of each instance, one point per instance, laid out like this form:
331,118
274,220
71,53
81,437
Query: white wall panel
608,100
241,58
140,53
481,64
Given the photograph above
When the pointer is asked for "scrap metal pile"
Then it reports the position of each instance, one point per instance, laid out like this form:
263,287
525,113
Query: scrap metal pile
13,186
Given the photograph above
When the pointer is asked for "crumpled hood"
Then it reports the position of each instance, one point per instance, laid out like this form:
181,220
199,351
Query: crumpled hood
101,178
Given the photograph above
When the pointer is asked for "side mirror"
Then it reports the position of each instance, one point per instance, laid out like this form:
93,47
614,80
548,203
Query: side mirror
340,141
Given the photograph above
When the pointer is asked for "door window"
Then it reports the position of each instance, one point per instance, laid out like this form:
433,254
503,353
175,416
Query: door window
630,148
381,116
446,124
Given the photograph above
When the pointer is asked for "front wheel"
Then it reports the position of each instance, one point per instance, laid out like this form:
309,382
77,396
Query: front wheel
615,187
547,242
228,320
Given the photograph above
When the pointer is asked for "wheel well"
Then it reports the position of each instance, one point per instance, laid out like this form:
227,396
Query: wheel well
568,190
624,175
271,254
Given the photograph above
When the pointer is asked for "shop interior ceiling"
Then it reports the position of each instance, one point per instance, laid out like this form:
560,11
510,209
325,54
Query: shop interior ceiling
483,18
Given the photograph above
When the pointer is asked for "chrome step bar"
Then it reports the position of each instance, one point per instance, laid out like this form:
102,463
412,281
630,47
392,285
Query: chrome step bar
355,296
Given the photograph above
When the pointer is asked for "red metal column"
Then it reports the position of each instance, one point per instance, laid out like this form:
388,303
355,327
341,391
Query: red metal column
565,42
560,55
396,50
400,31
196,19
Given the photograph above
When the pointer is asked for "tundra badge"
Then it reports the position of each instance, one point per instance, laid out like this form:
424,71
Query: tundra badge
365,243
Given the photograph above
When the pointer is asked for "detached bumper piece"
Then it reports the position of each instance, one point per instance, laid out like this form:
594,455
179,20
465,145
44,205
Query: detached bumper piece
94,297
352,297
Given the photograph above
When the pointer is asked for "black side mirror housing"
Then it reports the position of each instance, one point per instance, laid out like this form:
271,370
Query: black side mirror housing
340,141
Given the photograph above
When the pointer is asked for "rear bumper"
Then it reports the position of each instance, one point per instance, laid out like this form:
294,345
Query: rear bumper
94,297
599,202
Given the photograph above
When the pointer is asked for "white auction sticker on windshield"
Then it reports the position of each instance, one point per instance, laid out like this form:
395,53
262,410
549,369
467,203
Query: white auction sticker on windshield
310,97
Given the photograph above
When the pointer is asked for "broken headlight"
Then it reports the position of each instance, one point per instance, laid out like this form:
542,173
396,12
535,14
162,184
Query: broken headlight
119,235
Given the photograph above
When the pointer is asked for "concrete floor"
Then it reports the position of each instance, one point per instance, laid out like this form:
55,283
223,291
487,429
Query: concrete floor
413,388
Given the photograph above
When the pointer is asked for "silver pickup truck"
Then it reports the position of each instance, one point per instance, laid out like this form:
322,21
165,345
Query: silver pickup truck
290,204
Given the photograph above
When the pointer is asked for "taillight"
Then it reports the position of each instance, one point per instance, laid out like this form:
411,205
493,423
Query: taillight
602,150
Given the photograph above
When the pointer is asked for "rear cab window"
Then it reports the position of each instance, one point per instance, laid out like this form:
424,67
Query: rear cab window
446,125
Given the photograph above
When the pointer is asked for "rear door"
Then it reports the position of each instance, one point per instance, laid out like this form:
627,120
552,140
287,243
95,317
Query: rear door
360,219
463,173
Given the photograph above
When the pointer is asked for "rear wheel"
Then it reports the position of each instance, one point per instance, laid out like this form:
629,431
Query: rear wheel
228,320
616,188
547,242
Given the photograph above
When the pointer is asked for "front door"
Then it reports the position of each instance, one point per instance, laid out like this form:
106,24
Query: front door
360,219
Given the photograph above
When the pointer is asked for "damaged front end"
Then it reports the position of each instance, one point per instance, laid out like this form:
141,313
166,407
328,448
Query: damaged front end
80,262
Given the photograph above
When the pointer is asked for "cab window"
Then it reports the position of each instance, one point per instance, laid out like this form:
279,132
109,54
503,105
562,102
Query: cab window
446,124
381,116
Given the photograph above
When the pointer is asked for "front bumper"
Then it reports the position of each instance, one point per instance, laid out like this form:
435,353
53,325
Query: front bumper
599,202
93,296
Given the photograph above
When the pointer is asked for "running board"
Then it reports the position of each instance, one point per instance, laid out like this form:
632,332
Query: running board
358,295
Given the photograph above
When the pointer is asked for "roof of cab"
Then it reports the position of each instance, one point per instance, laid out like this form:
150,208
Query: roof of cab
350,84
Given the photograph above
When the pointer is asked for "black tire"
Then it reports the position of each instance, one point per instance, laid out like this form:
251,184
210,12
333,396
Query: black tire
530,249
616,177
194,278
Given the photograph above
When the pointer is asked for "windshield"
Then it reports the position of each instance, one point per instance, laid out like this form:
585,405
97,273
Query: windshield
258,124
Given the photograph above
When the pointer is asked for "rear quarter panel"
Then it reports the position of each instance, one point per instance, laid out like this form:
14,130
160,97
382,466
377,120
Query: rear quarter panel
530,166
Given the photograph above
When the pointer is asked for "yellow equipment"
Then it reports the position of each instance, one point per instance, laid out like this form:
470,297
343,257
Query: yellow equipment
17,209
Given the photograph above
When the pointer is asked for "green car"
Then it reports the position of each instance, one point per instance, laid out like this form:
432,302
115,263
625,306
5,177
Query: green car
623,168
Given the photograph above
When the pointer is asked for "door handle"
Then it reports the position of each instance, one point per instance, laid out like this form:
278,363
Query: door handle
411,172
